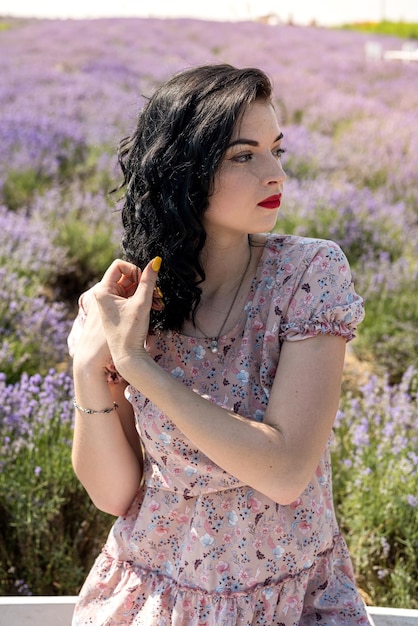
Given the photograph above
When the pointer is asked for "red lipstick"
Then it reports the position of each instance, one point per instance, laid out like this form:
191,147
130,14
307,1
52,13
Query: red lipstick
272,202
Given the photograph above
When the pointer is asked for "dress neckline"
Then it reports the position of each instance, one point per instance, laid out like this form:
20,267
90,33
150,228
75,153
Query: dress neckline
249,297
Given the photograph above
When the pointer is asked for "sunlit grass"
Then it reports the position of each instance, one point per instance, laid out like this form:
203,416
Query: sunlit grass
406,30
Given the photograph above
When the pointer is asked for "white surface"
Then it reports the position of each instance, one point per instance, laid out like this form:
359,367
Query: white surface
401,55
393,617
57,611
36,611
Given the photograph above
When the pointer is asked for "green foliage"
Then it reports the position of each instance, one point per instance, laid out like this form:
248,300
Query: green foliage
20,187
33,331
71,160
49,529
353,227
301,167
4,25
375,477
407,30
389,333
90,247
87,166
297,117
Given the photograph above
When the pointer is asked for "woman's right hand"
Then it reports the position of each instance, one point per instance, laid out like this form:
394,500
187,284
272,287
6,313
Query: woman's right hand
91,347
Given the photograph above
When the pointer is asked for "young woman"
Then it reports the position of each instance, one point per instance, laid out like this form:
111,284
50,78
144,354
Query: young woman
207,372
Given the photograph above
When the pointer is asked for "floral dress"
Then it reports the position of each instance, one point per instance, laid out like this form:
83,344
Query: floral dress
198,547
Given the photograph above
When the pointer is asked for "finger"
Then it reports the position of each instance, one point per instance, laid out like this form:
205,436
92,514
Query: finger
128,284
121,279
120,271
147,291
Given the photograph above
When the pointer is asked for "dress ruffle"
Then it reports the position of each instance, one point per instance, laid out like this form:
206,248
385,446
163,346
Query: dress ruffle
293,331
125,594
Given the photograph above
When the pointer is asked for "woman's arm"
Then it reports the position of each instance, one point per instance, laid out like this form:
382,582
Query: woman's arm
106,453
277,457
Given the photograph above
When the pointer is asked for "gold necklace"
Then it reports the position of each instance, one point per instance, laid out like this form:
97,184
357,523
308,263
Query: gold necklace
214,341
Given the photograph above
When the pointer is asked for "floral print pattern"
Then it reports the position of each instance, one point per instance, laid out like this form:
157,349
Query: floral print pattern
198,547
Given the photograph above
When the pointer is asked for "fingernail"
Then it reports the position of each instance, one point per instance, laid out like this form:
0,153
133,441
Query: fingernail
156,264
159,292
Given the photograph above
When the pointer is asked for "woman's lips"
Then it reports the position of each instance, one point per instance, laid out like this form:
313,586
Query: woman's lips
272,202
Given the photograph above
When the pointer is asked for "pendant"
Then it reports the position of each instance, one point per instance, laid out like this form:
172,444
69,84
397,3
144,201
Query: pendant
213,345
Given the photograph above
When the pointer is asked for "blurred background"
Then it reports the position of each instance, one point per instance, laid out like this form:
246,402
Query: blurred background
322,12
346,81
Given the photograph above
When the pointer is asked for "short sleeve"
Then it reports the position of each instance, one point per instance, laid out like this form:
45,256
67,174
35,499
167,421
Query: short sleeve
112,375
324,300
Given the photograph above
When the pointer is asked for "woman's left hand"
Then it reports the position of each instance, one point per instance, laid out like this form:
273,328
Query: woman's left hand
125,296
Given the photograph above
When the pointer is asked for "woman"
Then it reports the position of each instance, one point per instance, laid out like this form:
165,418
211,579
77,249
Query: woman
207,377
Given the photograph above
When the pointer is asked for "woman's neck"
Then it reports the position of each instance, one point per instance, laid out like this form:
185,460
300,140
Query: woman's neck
224,265
229,274
224,262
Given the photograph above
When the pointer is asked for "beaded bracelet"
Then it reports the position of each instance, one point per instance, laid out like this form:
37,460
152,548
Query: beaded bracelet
92,411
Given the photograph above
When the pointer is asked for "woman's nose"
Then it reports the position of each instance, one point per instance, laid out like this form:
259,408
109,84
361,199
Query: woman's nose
275,175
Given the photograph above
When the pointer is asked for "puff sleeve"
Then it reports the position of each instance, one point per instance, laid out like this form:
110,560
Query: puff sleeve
112,375
323,300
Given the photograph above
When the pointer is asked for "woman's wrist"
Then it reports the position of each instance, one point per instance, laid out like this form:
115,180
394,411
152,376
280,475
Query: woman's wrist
90,365
92,395
90,381
90,411
130,366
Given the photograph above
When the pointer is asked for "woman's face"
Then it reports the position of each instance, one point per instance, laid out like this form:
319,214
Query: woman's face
249,182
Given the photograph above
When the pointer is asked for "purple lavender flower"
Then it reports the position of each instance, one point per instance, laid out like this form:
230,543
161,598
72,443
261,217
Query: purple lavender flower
33,331
412,500
28,408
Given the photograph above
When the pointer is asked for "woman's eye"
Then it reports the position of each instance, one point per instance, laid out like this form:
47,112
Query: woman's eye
278,152
242,158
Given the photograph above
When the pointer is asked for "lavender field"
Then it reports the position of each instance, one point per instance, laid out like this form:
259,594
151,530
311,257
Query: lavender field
69,91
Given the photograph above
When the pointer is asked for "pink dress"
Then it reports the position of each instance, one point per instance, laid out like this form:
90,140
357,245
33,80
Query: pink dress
198,547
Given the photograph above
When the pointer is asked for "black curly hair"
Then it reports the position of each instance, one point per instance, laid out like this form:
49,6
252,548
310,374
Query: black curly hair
168,168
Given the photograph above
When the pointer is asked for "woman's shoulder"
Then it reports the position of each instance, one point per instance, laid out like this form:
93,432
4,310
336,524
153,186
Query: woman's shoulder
312,287
300,250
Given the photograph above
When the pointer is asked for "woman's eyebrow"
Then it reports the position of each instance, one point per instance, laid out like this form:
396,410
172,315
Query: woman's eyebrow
250,142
